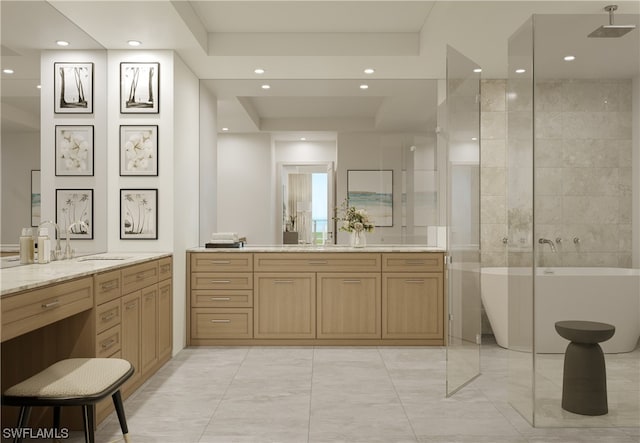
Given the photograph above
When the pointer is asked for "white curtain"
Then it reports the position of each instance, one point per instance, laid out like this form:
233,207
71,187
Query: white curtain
299,204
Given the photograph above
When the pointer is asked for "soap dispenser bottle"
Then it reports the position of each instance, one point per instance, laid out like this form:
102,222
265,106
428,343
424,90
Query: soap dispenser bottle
27,246
44,246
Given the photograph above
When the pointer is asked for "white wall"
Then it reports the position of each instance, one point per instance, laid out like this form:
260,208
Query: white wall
208,163
20,154
305,151
185,185
635,160
245,189
48,122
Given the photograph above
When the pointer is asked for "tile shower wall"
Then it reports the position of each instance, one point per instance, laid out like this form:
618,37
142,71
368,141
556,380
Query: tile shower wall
583,171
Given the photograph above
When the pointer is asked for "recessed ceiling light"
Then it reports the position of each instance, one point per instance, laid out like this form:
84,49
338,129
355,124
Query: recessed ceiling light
265,87
134,43
369,71
363,86
8,71
474,139
225,129
569,58
39,86
62,43
304,139
259,71
520,71
477,70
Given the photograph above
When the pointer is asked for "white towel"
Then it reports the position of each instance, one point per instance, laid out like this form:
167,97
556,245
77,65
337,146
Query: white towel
224,237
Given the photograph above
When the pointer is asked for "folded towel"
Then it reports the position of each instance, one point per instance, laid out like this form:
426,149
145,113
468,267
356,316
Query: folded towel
227,237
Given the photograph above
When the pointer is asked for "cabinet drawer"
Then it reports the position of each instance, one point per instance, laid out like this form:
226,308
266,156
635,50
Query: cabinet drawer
108,342
27,311
317,262
221,262
223,281
108,315
413,262
139,276
222,299
222,323
107,286
165,268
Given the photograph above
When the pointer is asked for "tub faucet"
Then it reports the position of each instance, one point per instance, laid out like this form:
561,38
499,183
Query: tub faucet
68,252
57,252
543,241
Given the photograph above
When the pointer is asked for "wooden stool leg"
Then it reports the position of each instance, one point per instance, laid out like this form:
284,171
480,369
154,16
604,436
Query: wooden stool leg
117,403
23,420
89,423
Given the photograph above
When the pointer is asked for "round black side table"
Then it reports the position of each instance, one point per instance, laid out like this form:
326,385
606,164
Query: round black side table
584,381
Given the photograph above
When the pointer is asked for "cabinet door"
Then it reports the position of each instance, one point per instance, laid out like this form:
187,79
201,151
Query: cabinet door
412,305
131,334
165,320
284,305
149,327
348,305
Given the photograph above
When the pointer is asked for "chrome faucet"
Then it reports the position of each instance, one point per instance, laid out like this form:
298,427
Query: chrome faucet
57,252
68,252
543,241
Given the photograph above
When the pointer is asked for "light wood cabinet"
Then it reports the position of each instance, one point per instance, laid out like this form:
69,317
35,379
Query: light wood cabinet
348,305
412,305
165,319
285,305
149,327
131,334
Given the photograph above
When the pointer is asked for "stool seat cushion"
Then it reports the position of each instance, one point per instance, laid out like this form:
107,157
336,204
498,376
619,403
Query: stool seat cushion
74,377
586,332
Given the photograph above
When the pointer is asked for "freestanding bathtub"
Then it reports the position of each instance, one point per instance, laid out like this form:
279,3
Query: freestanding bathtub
608,295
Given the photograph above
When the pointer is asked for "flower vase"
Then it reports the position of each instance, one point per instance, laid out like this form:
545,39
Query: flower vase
358,239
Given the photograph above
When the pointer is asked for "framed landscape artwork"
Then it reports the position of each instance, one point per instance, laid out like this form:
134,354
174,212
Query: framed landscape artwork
74,150
74,206
372,190
139,85
139,150
73,88
138,214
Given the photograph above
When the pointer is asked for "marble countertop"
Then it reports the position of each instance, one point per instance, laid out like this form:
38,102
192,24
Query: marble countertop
329,248
21,278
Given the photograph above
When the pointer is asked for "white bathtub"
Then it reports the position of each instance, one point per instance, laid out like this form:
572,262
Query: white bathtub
609,295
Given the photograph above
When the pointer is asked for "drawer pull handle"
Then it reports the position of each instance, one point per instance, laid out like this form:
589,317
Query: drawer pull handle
140,275
351,281
317,262
52,304
220,321
130,306
165,268
220,262
283,281
220,281
414,281
220,298
109,285
108,344
109,316
414,262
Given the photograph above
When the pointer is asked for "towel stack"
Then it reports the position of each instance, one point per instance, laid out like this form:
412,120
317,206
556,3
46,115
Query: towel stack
224,240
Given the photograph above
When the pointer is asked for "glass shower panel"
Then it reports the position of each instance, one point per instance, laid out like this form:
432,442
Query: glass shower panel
520,209
462,131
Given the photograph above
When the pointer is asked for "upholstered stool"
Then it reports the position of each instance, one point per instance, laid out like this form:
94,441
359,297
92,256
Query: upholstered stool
72,382
584,381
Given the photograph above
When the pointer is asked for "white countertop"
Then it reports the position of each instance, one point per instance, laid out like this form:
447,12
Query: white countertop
21,278
329,248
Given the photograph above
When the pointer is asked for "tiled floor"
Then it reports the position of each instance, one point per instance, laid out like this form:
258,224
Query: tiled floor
292,394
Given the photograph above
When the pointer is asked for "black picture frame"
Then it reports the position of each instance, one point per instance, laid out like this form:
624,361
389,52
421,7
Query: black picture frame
74,150
73,205
372,190
139,87
73,88
139,214
139,150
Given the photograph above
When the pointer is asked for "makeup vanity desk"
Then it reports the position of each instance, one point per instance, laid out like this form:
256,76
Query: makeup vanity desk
314,295
104,305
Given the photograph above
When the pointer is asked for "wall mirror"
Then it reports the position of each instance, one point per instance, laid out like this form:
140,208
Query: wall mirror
28,28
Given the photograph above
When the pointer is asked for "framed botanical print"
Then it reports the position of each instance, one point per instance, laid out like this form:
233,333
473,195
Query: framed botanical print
138,214
35,197
74,209
73,88
139,150
139,88
74,150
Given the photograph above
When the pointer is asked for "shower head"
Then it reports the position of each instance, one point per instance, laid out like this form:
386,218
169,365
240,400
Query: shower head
611,30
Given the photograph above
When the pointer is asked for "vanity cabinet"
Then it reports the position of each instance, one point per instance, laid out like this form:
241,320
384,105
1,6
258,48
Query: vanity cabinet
315,298
412,302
